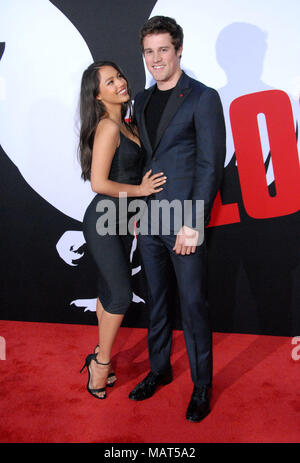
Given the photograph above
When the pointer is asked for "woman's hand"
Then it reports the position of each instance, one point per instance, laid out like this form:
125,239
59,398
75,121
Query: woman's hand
151,183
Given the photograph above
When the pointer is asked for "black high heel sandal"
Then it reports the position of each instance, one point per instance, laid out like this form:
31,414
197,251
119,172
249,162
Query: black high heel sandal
93,392
112,374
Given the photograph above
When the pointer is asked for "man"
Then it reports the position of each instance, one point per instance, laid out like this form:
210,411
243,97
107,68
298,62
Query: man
181,126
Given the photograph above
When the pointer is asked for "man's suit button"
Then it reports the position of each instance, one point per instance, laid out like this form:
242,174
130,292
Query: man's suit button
154,159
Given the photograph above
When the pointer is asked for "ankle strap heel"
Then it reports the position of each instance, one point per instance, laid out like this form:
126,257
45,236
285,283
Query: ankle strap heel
94,392
101,363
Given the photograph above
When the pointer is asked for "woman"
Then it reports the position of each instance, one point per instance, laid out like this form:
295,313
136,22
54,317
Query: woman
111,159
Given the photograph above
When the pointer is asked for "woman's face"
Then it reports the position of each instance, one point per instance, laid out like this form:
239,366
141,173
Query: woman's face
113,88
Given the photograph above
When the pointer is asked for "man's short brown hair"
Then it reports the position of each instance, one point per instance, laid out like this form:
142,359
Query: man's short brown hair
160,25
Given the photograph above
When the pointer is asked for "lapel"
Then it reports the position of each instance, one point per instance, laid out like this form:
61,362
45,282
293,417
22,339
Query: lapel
176,99
144,134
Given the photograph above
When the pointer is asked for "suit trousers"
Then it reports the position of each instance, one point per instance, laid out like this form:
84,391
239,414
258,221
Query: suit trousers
190,270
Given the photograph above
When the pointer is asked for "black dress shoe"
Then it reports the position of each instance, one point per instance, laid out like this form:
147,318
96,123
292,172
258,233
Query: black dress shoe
199,406
148,386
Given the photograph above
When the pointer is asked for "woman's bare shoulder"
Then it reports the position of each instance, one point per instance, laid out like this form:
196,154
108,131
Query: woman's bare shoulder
107,127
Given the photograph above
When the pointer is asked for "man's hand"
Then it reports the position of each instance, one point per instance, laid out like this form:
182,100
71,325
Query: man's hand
186,241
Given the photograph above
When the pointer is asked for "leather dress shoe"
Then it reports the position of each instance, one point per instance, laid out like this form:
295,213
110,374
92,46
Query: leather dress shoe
199,406
148,386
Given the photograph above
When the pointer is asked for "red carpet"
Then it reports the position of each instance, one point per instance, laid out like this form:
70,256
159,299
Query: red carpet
256,394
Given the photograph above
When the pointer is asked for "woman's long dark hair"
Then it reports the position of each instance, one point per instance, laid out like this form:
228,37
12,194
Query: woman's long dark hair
93,110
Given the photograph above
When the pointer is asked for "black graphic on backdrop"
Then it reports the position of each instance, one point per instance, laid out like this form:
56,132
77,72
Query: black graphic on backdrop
111,31
37,284
253,265
2,47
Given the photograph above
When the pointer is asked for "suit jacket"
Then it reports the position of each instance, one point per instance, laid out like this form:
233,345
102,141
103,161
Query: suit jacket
190,144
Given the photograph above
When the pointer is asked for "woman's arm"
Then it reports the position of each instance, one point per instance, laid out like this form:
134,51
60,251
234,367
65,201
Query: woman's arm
106,141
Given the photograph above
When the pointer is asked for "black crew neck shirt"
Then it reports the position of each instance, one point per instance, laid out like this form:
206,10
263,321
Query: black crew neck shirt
154,110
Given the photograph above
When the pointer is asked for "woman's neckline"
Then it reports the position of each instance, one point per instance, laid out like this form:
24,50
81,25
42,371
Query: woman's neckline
129,139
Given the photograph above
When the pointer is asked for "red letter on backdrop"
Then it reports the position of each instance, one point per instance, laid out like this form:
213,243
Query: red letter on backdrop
223,214
276,107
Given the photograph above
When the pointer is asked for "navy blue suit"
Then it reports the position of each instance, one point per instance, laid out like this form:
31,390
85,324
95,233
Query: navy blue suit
190,150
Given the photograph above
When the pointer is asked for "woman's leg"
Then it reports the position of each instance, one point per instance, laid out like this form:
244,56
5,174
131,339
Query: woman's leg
109,327
108,330
110,253
99,311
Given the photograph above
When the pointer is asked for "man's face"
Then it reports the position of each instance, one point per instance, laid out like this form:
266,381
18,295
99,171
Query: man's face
162,60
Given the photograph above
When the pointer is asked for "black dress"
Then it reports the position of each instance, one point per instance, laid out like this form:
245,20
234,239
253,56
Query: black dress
111,251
